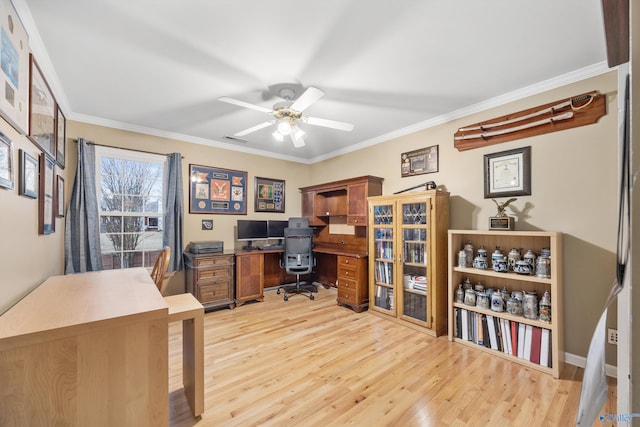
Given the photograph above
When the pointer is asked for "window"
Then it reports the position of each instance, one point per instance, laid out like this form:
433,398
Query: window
130,197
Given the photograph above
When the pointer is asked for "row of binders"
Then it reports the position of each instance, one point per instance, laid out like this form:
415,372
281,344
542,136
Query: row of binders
517,339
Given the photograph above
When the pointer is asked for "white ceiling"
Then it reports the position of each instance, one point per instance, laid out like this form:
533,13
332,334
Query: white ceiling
388,67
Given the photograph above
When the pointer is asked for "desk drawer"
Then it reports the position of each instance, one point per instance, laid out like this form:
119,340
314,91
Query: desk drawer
348,271
201,263
347,284
346,295
214,292
215,275
347,261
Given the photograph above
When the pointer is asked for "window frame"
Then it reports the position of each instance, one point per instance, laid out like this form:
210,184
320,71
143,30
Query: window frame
148,254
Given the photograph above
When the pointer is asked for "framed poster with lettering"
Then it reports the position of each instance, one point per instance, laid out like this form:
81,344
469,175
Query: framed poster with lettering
217,191
418,162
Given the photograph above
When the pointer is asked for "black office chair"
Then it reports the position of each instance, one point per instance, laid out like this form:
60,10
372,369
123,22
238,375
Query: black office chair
298,257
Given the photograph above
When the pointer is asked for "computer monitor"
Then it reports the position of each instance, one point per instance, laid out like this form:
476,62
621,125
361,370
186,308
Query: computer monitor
276,228
249,230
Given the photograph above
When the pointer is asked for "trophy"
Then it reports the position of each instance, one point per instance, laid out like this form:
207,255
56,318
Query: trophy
502,221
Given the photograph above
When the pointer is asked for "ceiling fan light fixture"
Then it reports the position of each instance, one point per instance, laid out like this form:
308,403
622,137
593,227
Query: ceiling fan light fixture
284,127
278,136
298,133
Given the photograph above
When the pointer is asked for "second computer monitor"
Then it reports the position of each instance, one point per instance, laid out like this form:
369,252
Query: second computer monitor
276,228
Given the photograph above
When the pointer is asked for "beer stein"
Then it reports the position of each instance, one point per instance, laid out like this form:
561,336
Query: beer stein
545,307
470,297
500,265
459,294
530,305
497,302
512,257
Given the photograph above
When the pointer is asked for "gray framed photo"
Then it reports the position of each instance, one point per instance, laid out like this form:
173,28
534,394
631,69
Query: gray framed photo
28,175
61,129
269,195
507,173
42,108
6,162
59,196
46,198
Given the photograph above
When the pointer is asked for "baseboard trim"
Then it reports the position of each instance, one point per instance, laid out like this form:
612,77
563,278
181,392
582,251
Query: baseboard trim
581,362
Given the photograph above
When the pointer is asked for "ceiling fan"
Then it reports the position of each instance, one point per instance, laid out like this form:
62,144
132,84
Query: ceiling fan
288,114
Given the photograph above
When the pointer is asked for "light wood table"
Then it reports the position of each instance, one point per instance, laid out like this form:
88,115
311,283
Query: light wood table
86,349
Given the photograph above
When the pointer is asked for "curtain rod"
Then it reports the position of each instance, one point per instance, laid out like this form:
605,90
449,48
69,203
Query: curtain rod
128,149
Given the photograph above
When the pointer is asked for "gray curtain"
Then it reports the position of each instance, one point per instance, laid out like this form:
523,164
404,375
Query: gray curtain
82,223
173,211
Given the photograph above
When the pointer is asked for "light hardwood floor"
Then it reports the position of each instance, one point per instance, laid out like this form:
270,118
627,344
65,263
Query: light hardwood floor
313,363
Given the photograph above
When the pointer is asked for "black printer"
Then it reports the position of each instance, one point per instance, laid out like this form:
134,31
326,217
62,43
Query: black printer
208,247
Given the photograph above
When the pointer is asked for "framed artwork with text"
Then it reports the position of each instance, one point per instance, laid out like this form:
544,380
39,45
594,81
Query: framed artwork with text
217,191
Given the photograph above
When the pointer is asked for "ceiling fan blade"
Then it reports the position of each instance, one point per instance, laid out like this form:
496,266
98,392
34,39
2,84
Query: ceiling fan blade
329,123
309,96
254,128
244,104
297,142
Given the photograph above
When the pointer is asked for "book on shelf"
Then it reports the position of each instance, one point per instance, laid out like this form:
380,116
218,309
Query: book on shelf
521,340
493,336
528,335
485,332
545,347
506,328
514,337
536,337
465,324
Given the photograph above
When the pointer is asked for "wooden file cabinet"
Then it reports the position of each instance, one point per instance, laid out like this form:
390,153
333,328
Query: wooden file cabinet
352,282
210,278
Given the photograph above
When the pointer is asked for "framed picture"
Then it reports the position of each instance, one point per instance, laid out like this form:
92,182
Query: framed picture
59,196
269,195
217,191
46,223
418,162
507,173
42,107
28,175
14,61
61,130
6,162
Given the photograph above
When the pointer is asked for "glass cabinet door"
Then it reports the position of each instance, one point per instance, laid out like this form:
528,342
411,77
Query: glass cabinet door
414,302
383,253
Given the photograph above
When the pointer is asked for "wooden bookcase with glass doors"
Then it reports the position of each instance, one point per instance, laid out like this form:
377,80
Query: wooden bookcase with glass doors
408,258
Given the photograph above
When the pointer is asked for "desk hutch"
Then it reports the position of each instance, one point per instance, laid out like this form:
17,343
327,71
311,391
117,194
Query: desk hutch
342,258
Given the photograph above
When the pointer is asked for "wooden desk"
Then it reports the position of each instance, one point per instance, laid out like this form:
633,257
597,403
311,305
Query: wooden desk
86,349
335,267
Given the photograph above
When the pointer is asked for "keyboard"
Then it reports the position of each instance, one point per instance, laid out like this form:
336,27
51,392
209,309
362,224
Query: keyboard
272,247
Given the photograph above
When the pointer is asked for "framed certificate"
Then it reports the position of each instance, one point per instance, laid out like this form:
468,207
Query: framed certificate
507,173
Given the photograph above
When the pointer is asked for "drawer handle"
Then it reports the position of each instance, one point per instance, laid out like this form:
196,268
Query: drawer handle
346,273
346,261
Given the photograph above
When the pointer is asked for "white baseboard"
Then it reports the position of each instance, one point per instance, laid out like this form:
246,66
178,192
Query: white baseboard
581,362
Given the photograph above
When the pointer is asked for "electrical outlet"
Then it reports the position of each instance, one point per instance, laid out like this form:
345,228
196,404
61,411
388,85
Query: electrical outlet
612,336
